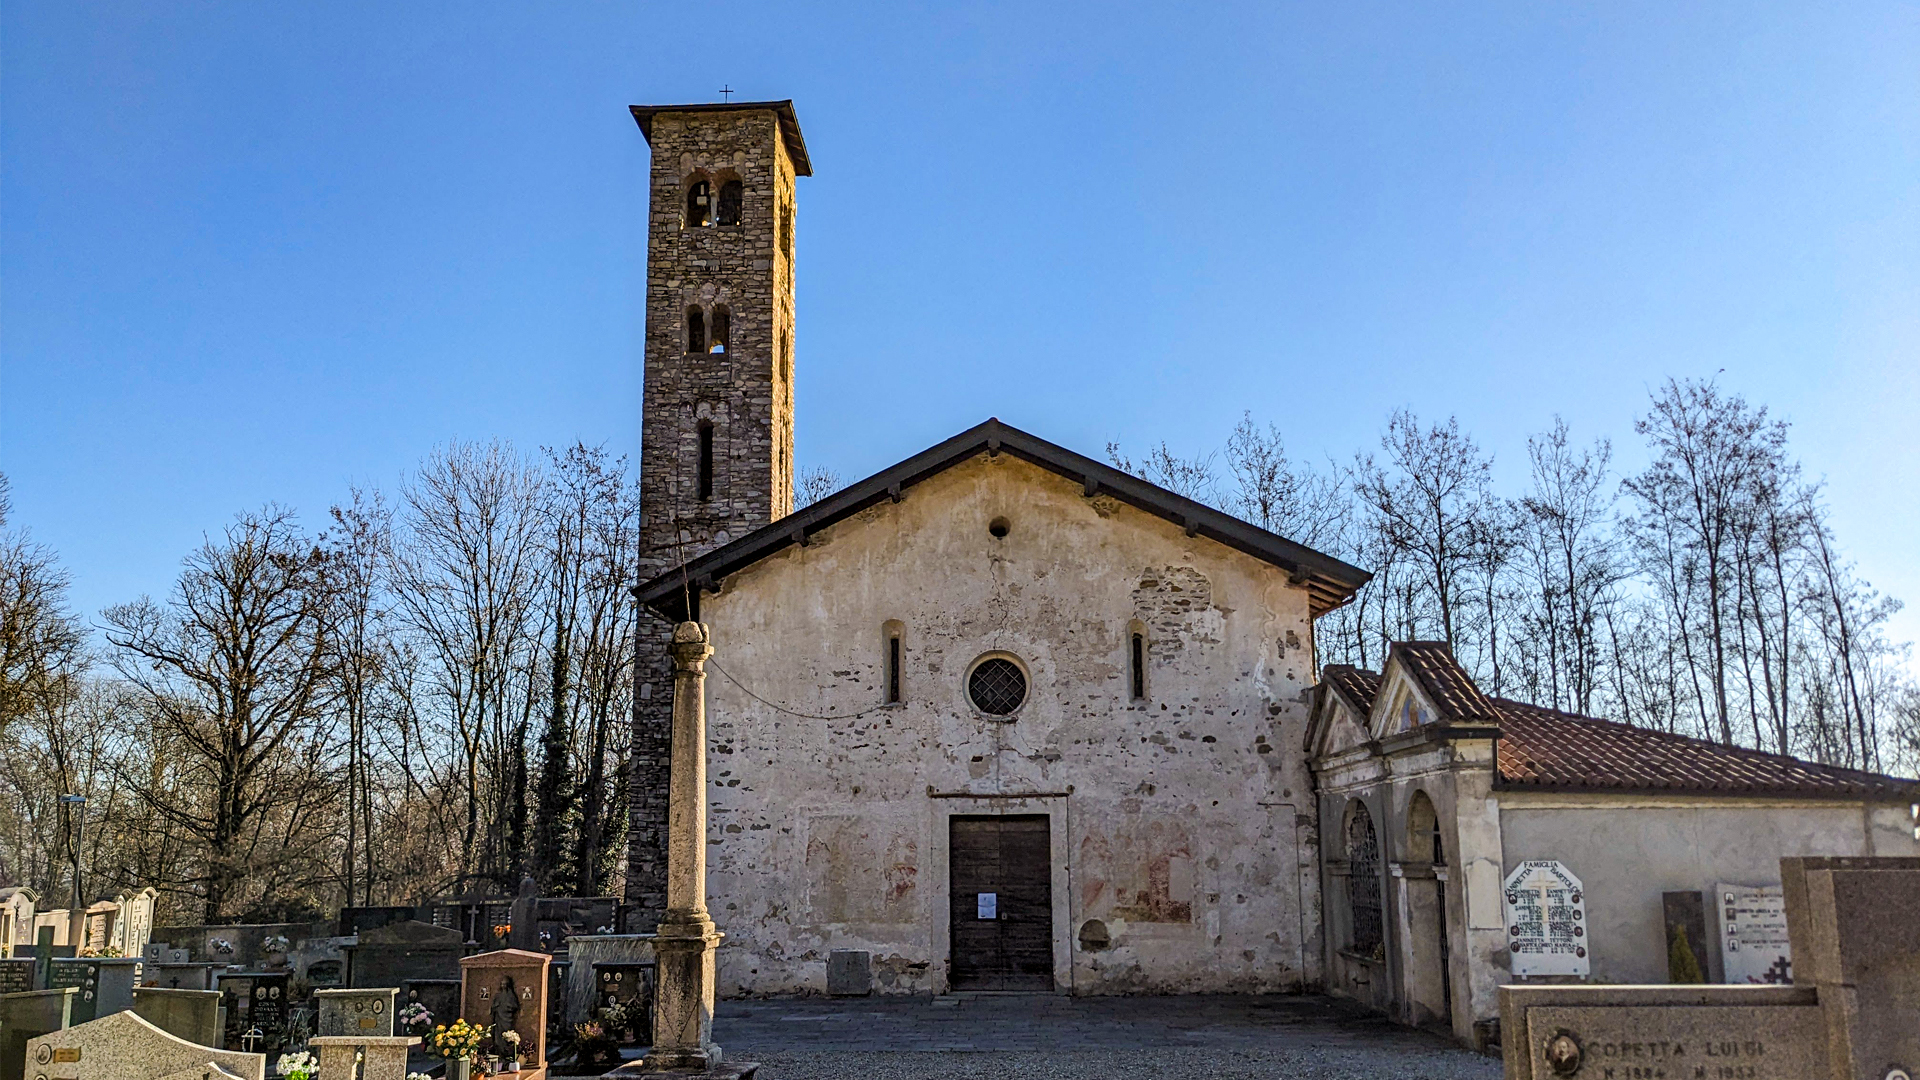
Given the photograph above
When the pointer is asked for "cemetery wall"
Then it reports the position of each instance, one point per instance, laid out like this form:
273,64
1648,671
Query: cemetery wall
1182,824
1628,850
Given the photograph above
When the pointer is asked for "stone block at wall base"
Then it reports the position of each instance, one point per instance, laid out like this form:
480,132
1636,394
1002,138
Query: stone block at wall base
726,1070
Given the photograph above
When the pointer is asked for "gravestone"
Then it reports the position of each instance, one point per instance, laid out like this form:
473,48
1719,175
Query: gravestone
358,920
258,1011
585,953
125,1047
1546,920
391,955
359,1012
1853,1013
193,1015
42,954
524,918
105,984
628,987
1753,934
1684,914
327,973
27,1016
441,997
367,1057
562,918
1854,924
16,976
181,976
507,989
159,952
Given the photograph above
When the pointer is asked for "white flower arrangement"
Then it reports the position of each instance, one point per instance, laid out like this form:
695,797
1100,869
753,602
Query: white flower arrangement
300,1066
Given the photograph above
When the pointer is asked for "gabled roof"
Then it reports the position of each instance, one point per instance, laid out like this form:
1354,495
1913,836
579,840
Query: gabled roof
1546,750
1329,581
782,110
1540,749
1432,665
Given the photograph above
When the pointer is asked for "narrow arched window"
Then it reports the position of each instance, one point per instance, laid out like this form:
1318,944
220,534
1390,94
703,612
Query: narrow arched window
696,331
892,677
1137,660
704,473
722,330
699,205
730,202
786,231
1363,882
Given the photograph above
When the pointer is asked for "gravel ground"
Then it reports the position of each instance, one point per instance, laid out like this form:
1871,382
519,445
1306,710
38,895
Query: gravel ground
1299,1063
1043,1037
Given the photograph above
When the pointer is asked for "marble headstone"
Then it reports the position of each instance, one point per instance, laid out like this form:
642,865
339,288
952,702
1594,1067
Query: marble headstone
193,1015
379,1057
125,1047
1546,920
27,1016
358,1012
508,989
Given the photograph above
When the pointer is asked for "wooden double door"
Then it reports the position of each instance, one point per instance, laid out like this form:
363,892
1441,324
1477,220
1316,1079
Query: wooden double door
1000,881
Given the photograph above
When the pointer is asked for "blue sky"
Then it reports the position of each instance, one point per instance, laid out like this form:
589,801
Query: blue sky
255,252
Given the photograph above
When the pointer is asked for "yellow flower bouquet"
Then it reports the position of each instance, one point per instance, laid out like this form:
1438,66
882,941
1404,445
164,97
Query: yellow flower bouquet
458,1040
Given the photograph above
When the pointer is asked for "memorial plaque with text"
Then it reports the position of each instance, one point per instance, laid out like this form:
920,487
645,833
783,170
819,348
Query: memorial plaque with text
1753,934
1546,920
16,976
1702,1042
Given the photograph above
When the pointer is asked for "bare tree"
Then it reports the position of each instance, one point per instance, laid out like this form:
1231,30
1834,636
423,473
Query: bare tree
41,639
1569,559
1432,503
466,573
234,669
359,634
1192,477
1284,496
816,482
1711,451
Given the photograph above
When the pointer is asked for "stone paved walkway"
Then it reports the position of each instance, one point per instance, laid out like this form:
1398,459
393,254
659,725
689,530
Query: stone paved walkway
1048,1037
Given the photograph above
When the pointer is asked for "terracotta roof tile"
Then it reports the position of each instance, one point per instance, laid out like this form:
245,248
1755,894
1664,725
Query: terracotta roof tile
1544,749
1446,682
1357,685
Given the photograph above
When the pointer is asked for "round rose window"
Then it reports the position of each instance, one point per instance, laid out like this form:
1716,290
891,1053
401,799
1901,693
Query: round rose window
997,686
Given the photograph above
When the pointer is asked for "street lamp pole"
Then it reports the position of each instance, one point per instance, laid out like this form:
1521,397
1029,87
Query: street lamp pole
76,806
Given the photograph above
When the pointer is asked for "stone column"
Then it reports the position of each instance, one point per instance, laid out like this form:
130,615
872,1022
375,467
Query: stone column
683,997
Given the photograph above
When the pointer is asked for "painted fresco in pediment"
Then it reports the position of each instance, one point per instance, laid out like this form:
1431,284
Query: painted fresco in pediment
1400,705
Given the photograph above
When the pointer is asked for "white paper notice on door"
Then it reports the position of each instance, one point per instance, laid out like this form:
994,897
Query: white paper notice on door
989,906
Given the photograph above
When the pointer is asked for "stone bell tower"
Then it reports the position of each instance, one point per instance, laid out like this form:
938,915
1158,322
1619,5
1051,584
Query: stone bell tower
716,430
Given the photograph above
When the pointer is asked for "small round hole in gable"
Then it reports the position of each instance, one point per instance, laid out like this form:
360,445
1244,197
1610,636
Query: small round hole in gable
999,527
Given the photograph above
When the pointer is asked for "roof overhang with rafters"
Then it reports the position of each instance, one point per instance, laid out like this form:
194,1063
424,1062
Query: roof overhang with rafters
1328,581
782,111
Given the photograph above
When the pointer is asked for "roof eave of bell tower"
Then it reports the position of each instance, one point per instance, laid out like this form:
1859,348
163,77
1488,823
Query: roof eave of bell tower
789,123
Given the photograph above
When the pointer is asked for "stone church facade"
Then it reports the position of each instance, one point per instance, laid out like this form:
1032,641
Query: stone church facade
1003,717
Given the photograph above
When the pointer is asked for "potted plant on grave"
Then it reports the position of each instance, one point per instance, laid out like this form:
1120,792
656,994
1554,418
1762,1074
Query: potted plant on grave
459,1043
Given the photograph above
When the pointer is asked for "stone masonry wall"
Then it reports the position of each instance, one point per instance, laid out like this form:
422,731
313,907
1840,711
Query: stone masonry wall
744,392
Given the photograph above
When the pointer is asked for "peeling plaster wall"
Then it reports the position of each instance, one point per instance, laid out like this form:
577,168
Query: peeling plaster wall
1188,828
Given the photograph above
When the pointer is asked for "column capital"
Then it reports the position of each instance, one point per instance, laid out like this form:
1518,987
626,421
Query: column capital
690,646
